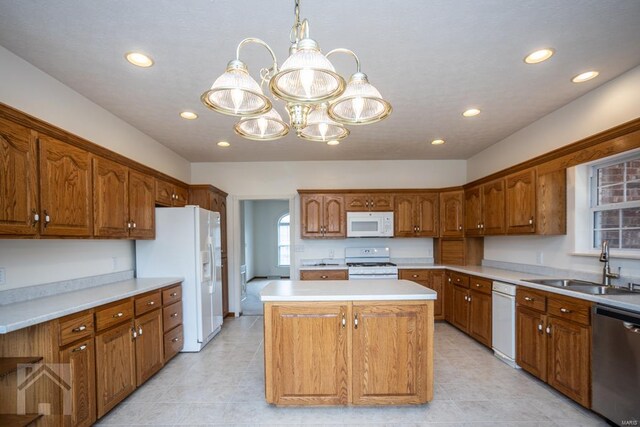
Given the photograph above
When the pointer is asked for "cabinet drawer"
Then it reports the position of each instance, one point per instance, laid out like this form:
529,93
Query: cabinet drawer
569,308
172,316
75,328
324,275
531,299
147,302
481,284
459,279
114,314
173,341
414,275
171,295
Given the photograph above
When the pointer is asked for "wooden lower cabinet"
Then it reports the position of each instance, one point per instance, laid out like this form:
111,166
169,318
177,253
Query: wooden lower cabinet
432,279
460,315
531,342
149,345
324,275
115,366
335,353
471,306
81,359
480,317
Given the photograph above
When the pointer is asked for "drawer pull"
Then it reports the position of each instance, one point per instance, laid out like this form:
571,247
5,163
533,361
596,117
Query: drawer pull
324,277
175,340
79,328
173,294
478,285
83,347
415,275
565,310
174,315
529,299
118,314
151,303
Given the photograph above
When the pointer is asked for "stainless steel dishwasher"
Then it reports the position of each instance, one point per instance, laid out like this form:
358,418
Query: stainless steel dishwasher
616,365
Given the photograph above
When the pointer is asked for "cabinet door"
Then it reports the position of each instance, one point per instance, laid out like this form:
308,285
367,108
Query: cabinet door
569,359
531,342
451,214
18,180
480,317
404,216
115,366
473,211
356,202
398,371
460,318
493,208
427,214
164,193
111,198
306,353
436,282
81,359
149,345
65,189
182,196
521,202
334,217
142,212
311,212
381,202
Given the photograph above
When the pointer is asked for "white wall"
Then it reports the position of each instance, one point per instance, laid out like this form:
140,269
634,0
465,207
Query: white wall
247,245
31,262
265,237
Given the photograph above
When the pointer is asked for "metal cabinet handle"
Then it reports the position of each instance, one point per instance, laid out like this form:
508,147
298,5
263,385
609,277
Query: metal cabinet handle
139,330
47,219
548,330
355,321
632,327
478,285
129,225
418,229
134,224
324,277
540,327
35,219
469,300
344,321
460,227
79,328
478,225
465,298
83,347
173,294
565,310
529,299
415,275
531,221
174,315
118,314
151,303
134,334
175,340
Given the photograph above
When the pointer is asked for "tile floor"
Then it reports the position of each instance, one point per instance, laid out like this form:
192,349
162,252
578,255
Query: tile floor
223,385
251,305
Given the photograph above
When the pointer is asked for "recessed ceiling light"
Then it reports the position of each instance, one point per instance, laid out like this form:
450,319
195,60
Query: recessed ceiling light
539,56
333,142
139,59
583,77
471,112
223,144
437,142
189,115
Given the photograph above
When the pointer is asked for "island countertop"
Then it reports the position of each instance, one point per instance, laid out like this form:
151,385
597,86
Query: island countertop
343,290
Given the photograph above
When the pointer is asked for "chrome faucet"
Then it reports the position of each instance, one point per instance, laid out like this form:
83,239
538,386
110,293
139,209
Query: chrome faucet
607,275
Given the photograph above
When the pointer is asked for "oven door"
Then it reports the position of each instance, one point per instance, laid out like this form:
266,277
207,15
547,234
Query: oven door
385,276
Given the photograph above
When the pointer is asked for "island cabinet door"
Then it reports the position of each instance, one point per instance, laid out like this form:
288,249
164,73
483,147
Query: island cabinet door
391,353
306,357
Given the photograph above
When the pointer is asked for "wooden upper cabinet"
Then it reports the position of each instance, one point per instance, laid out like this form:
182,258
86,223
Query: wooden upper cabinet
18,180
427,215
452,214
551,199
142,205
323,215
493,208
416,215
182,196
111,198
521,202
65,189
380,202
164,193
473,211
404,216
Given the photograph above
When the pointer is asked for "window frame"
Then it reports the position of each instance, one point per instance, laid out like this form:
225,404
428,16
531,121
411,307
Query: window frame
593,200
278,243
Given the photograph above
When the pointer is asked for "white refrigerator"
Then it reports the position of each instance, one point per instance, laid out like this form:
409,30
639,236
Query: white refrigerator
187,244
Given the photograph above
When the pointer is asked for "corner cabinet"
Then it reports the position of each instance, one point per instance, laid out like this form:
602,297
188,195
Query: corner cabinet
452,214
485,209
322,216
336,353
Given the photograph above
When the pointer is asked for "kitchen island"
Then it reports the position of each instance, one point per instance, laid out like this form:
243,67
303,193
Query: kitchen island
365,342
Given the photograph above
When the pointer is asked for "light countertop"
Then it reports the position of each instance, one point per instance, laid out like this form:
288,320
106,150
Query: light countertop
341,290
27,313
324,267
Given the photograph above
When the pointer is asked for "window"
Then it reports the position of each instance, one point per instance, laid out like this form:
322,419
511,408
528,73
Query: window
284,242
615,203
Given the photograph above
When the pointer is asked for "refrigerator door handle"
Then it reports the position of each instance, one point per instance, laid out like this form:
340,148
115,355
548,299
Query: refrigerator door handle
211,268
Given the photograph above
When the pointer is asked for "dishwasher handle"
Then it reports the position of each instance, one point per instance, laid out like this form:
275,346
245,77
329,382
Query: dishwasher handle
628,317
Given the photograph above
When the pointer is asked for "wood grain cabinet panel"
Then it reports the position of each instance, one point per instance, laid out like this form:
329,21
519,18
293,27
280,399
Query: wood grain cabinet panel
460,316
142,213
65,189
427,214
480,316
493,208
365,202
396,372
448,298
323,216
404,216
551,200
18,180
473,211
172,316
165,194
324,275
531,342
452,214
309,354
416,215
149,345
432,279
173,343
81,359
115,366
182,196
334,217
521,202
75,327
111,198
147,302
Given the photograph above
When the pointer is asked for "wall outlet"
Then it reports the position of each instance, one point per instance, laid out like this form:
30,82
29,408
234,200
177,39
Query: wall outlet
299,248
540,257
2,276
332,253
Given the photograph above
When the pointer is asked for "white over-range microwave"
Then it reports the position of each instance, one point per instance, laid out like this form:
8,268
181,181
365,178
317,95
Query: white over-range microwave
369,224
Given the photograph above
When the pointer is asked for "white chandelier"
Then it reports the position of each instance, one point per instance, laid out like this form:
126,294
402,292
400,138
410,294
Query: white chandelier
318,100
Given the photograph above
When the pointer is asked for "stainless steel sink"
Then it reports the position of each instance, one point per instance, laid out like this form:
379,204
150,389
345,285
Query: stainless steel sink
582,286
561,283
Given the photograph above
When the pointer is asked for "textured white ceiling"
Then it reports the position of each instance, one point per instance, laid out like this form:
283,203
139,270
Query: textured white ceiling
430,59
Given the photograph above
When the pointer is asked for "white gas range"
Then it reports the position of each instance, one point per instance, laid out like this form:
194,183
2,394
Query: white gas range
370,263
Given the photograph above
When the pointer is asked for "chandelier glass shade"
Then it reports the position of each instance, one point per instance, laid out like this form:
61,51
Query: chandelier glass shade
318,100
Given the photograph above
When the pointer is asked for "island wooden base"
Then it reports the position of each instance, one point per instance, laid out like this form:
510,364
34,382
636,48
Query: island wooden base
342,352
